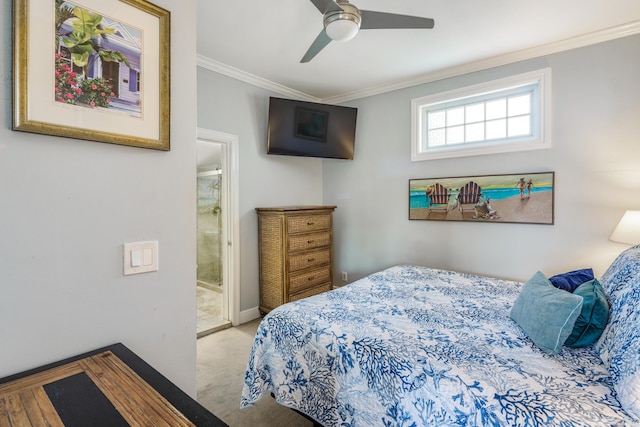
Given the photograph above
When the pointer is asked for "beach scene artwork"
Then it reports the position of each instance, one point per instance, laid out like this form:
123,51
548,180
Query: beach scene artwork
514,198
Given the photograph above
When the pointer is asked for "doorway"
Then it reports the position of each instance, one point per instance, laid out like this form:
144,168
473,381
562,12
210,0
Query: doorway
217,232
111,72
211,294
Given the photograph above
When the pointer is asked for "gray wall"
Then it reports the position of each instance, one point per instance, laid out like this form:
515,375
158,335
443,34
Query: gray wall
66,208
231,106
595,154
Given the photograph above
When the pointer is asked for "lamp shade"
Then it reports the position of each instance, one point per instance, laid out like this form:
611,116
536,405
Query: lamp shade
628,229
342,30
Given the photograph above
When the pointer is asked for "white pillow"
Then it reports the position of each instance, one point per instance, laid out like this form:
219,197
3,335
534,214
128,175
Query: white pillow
628,390
619,345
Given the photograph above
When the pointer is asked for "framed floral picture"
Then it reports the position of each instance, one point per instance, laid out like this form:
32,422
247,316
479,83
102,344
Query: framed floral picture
525,198
93,70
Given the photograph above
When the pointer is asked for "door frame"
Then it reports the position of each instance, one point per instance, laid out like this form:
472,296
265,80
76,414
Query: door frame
230,216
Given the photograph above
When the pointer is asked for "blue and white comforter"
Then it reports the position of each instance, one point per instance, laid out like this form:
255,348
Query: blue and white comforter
414,346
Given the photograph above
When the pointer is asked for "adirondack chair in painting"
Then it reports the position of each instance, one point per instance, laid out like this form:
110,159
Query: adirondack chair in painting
469,194
439,197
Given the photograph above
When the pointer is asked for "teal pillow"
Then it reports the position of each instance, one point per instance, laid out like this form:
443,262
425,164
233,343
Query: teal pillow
545,313
593,317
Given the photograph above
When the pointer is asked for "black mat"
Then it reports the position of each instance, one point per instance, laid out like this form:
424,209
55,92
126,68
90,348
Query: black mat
80,403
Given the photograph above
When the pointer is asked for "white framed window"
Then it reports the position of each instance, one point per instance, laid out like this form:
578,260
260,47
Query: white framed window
505,115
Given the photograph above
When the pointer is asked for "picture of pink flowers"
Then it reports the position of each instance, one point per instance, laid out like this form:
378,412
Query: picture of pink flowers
70,89
97,60
108,78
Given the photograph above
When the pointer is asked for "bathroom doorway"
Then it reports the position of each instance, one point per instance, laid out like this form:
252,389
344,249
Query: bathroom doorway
212,313
217,278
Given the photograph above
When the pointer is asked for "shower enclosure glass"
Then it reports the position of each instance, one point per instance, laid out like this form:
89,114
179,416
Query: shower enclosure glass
209,229
211,291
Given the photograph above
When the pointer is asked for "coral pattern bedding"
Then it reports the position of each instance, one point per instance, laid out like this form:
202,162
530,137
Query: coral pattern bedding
415,346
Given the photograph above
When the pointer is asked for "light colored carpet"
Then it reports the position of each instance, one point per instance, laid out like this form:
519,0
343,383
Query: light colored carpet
222,361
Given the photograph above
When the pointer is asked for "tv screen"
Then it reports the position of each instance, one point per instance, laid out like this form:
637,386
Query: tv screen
301,128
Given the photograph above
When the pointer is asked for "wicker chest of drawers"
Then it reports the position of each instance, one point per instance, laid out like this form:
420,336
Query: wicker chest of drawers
295,244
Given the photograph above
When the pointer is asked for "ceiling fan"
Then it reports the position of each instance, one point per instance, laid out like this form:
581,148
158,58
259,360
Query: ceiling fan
342,20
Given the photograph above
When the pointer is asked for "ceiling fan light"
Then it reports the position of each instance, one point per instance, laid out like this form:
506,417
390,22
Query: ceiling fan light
342,29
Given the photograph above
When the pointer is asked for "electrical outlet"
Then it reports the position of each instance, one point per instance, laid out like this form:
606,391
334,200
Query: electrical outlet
345,277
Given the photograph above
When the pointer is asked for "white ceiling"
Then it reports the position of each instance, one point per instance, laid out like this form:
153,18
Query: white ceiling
263,41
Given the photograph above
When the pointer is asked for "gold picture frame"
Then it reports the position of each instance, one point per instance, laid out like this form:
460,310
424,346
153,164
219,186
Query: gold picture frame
93,70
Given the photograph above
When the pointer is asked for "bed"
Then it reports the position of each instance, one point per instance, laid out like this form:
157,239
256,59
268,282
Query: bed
417,346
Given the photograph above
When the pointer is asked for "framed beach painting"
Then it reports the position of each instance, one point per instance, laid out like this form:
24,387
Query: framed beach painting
516,198
93,70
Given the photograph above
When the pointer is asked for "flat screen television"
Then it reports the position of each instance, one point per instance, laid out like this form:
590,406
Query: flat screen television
309,129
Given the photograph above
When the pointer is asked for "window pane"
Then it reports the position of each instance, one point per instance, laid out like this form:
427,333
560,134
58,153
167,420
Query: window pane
455,135
474,132
474,113
497,129
436,137
497,109
519,126
436,119
492,117
520,105
455,116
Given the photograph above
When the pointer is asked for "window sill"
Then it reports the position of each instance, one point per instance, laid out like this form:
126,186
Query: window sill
466,151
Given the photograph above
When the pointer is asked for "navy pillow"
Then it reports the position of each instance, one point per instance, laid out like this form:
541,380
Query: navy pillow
571,280
593,316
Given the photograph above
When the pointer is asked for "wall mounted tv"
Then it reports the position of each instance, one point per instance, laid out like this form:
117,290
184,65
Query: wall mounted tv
300,128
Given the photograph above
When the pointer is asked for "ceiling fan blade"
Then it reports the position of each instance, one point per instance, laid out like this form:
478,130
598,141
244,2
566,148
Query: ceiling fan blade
375,20
325,6
318,44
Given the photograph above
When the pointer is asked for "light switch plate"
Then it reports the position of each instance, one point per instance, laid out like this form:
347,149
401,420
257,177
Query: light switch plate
140,257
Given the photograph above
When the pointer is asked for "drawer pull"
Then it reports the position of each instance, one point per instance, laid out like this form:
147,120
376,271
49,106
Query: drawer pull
310,223
310,278
311,259
310,241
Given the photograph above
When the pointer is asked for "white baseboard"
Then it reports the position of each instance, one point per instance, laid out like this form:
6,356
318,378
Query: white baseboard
249,315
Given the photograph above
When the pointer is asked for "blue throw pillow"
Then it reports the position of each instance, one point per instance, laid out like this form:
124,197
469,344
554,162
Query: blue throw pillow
546,314
593,316
571,280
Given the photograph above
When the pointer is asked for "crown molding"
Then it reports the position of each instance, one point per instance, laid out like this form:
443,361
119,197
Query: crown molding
496,61
235,73
601,36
